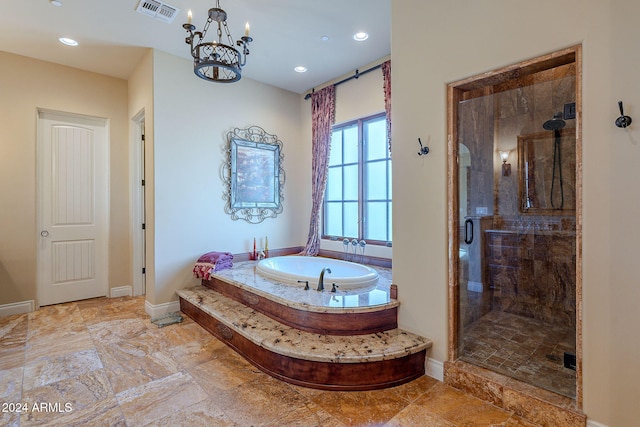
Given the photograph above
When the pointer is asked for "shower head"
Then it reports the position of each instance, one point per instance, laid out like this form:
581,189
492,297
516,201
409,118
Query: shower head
556,123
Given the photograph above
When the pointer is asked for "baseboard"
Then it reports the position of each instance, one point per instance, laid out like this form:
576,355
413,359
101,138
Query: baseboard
474,286
121,291
435,369
591,423
160,309
17,308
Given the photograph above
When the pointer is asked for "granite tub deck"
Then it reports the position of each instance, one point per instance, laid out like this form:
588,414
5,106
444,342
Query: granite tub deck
353,312
254,316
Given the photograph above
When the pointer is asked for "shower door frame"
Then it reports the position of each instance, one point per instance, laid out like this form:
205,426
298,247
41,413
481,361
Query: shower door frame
483,82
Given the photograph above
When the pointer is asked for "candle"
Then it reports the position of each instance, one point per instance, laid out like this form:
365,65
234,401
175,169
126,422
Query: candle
189,17
246,29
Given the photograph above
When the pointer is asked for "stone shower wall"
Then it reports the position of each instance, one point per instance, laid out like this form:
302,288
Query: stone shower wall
532,274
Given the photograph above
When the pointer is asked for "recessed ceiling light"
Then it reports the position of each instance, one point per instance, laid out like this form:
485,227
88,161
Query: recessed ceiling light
68,41
56,3
361,36
324,38
300,69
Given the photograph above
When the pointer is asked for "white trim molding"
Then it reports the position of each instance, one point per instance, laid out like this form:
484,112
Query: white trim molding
591,423
21,307
161,309
136,172
121,291
435,369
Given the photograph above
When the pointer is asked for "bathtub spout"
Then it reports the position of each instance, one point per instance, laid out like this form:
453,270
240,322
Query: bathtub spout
321,278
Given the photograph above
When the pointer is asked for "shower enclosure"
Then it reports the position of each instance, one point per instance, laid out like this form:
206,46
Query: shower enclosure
514,197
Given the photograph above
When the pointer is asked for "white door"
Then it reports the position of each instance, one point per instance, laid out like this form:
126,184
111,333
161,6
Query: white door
73,166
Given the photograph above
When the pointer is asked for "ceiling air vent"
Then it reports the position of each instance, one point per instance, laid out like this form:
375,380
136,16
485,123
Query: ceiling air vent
155,9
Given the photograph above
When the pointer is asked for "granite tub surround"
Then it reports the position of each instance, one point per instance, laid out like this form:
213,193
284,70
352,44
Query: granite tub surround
358,362
351,312
244,276
295,343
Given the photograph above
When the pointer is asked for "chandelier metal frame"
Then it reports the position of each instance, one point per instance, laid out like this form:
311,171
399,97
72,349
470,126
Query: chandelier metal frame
217,61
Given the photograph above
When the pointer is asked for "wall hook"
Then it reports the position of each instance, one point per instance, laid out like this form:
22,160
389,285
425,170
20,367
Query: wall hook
423,149
622,121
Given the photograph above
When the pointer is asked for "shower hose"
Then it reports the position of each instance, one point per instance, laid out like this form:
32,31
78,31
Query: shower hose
557,160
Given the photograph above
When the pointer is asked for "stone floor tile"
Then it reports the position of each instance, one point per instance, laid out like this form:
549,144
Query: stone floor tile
362,408
156,399
51,370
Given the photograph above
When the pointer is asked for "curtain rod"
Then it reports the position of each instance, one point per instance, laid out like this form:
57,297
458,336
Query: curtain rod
357,74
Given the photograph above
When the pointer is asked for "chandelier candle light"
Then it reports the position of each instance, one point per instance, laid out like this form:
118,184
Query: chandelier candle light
216,61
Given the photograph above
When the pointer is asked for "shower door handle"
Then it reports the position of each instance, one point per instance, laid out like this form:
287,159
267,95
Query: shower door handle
468,231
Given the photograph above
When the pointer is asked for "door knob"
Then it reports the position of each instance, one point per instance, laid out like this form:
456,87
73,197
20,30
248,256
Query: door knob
44,233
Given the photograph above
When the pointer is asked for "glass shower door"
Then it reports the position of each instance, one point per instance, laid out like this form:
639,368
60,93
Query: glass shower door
517,241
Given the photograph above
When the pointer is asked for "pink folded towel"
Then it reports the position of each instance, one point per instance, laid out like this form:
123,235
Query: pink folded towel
211,262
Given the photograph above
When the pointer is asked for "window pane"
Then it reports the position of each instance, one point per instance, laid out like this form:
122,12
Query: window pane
359,156
376,180
333,219
376,223
390,222
375,136
390,176
351,219
334,184
351,182
350,144
335,155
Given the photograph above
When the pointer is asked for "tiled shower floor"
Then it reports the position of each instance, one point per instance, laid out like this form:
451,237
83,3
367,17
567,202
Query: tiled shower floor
522,348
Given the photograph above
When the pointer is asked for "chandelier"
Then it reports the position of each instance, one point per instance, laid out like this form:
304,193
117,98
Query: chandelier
216,61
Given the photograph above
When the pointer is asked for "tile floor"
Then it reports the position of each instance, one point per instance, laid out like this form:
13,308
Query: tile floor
522,348
102,362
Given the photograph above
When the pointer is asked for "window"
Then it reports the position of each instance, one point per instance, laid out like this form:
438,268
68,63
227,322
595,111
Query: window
357,201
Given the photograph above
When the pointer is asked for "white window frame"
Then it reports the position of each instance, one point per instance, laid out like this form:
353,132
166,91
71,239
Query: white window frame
362,211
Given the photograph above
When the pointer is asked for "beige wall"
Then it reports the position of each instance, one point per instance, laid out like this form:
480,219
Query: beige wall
437,42
191,120
26,85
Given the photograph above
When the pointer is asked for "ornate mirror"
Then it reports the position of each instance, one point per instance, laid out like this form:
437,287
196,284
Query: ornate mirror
253,175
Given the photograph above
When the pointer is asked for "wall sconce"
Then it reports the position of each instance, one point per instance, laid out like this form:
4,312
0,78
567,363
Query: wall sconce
506,167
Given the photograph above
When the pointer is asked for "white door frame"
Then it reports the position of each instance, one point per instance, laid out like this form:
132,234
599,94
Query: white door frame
102,262
136,168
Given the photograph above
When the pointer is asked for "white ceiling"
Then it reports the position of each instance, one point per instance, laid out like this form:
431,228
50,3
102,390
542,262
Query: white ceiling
286,33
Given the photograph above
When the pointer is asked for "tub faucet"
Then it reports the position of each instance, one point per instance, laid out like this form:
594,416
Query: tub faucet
321,278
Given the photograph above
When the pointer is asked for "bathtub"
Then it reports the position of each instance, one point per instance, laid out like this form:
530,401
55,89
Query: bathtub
289,269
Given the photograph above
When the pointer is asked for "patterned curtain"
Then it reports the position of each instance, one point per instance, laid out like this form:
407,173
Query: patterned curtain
386,74
323,109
